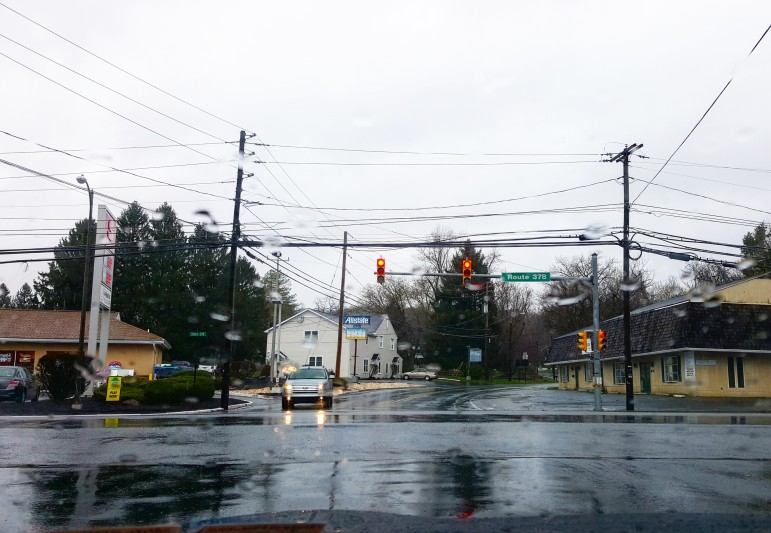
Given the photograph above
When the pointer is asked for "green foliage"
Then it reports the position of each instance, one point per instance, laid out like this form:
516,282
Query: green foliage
757,245
242,369
25,298
179,389
130,389
59,376
477,372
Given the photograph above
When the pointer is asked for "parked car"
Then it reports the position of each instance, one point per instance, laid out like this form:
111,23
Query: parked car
18,383
309,384
164,371
419,373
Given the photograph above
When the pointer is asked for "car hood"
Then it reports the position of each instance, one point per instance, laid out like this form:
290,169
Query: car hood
306,382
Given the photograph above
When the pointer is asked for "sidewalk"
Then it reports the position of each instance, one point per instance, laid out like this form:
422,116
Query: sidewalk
665,404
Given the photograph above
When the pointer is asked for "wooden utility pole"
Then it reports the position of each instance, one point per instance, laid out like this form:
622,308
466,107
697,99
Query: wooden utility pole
225,394
342,305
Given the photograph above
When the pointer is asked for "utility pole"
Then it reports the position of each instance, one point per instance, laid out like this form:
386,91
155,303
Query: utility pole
278,301
626,283
225,394
342,304
597,363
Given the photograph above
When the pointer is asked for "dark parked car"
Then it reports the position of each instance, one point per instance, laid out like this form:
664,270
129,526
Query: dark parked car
17,383
164,371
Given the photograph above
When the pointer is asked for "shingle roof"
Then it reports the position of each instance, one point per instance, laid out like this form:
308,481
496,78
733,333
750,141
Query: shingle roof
36,324
730,327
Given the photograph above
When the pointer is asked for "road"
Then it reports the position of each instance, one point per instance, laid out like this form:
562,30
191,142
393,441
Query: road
430,452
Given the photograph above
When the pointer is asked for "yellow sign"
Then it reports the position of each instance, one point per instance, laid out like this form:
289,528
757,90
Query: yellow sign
110,422
113,388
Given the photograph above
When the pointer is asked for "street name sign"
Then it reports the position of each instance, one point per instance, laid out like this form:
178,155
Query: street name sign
197,333
525,276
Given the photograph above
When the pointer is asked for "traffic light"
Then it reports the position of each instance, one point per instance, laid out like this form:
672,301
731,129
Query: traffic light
582,338
380,271
466,271
601,340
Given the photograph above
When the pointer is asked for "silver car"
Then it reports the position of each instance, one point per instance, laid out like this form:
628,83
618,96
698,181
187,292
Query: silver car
309,384
419,373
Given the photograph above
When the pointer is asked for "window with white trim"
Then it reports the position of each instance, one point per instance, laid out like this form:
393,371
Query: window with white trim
619,373
315,360
670,369
311,337
380,341
393,344
589,372
366,366
564,373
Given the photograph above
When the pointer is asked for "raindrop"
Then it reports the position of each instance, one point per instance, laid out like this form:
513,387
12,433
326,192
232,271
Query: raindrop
761,335
3,291
237,382
714,301
403,346
629,285
191,400
705,329
268,453
486,298
730,320
233,335
141,245
272,243
209,224
474,286
247,486
275,295
701,293
218,316
680,312
317,453
688,275
570,300
258,284
418,271
746,263
154,244
127,458
595,231
77,406
762,317
192,319
200,299
157,216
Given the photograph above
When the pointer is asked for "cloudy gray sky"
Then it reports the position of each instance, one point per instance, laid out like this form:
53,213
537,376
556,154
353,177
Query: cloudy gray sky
497,103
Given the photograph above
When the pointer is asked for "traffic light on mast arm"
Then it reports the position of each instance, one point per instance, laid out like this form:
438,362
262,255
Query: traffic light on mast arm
466,271
582,338
601,340
380,271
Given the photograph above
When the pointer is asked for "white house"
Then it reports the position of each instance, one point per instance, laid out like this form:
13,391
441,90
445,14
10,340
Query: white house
310,338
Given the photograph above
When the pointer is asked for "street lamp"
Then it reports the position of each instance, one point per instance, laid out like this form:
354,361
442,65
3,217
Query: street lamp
82,180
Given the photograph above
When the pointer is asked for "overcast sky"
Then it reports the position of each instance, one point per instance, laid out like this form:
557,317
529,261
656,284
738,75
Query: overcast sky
554,83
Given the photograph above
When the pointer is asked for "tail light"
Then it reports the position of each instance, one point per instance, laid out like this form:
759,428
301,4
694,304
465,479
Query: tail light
13,384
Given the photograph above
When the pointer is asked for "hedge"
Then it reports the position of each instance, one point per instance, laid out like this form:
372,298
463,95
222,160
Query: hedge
178,389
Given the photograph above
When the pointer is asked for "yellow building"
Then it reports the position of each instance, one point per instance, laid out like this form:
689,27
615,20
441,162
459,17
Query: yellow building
26,335
716,344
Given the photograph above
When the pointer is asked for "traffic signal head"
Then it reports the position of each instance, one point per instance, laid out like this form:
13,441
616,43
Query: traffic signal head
582,338
466,271
601,340
380,272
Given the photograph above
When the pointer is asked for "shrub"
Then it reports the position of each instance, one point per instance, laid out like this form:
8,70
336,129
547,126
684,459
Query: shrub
477,372
60,376
179,388
130,389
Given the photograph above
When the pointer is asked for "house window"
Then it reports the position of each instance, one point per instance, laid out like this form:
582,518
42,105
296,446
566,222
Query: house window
589,372
314,360
311,337
564,373
671,369
380,342
736,372
619,373
366,366
393,344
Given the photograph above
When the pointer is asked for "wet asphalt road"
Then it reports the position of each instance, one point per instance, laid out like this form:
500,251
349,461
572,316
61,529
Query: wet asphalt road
431,451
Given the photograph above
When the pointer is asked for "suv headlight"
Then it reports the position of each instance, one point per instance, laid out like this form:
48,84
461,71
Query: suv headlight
288,387
321,386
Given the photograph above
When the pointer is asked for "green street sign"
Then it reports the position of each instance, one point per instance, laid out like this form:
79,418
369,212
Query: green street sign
525,276
197,333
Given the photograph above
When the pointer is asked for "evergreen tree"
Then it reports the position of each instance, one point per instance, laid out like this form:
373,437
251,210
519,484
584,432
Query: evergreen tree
757,246
132,268
25,298
5,296
62,286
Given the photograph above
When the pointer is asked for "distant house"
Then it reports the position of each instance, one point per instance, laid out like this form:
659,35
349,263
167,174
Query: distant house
684,345
310,338
26,335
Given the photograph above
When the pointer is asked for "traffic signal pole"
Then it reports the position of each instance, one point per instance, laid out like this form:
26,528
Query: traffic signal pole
597,363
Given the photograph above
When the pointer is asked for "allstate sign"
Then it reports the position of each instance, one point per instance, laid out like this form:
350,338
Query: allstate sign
356,320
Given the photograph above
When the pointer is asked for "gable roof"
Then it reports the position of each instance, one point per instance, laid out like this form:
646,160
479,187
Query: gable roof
374,322
37,325
684,326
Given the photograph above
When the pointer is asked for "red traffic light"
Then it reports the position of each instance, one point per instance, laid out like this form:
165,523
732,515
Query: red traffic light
466,271
380,272
601,340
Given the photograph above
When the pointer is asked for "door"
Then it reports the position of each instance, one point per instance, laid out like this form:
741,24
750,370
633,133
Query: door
577,371
645,378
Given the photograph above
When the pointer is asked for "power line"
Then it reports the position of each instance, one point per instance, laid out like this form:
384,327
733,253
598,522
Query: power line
495,164
114,148
703,116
